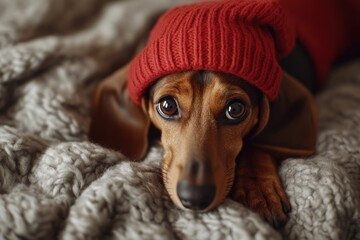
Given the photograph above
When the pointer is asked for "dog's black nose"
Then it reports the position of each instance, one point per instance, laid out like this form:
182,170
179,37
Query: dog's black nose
195,197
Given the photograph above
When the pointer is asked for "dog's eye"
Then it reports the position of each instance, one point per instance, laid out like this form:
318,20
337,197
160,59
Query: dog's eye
168,108
236,110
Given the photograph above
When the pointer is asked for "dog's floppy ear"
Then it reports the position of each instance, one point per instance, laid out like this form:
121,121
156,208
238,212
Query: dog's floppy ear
117,122
290,130
263,119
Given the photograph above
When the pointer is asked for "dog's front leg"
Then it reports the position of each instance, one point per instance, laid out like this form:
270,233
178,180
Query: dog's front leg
258,186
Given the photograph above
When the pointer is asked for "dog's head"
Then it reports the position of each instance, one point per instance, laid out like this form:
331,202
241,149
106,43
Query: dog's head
205,119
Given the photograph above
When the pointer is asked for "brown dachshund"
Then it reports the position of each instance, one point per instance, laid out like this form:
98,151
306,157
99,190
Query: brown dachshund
202,146
221,136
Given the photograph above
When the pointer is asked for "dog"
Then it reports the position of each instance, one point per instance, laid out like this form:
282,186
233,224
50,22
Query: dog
221,135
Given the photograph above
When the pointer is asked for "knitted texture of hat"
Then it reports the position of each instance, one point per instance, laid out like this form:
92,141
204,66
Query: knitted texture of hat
242,37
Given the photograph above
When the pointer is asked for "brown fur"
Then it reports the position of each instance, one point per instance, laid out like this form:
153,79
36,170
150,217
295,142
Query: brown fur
197,135
240,159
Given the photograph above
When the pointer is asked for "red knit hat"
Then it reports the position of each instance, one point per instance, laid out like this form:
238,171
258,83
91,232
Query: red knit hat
242,37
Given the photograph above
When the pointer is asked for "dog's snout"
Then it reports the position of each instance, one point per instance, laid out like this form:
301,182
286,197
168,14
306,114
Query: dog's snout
195,197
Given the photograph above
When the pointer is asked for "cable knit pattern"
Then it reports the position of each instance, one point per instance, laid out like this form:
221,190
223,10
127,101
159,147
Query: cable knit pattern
244,38
55,184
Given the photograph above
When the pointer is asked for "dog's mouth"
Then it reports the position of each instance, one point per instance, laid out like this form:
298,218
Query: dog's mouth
197,185
195,197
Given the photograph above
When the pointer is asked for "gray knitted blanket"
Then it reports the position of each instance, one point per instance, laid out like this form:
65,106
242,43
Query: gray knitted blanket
55,184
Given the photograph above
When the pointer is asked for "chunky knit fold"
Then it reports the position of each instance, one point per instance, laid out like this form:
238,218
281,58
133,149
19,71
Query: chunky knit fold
242,37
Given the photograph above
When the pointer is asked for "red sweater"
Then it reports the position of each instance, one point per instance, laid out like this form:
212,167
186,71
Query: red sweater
327,28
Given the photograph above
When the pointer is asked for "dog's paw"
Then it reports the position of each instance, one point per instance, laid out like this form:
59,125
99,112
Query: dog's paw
264,195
